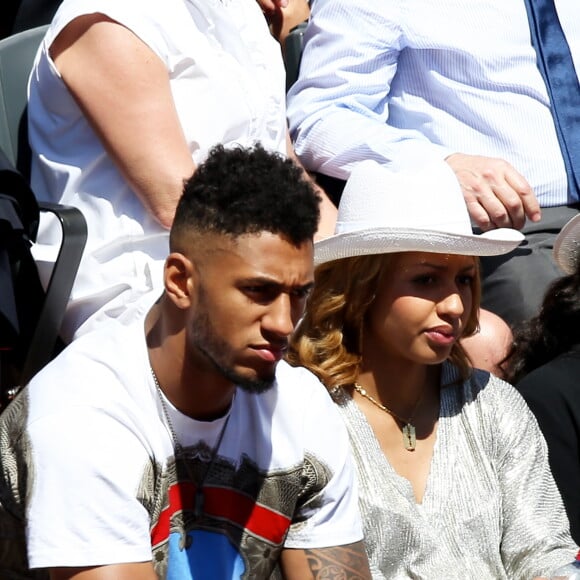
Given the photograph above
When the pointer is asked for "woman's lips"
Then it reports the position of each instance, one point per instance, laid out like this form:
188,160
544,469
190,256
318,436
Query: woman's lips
440,336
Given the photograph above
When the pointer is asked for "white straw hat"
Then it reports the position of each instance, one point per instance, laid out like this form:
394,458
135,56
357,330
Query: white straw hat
382,212
567,246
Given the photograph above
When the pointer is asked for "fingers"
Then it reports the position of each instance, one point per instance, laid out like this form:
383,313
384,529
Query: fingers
527,197
496,195
272,5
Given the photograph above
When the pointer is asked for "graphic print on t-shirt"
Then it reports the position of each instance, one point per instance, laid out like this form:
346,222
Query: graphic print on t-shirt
246,515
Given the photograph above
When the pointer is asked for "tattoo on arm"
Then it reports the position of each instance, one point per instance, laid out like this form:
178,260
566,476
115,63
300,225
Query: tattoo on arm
339,563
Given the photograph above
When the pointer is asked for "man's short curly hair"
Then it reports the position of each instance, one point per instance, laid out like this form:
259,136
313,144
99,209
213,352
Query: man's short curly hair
239,191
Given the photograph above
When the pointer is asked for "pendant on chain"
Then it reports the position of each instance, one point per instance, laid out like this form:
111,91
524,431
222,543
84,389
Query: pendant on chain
409,437
179,452
198,502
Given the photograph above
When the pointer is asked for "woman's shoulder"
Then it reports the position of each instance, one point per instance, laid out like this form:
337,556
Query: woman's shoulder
483,389
495,410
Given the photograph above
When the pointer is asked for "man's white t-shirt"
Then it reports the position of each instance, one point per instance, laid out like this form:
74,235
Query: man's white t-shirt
101,484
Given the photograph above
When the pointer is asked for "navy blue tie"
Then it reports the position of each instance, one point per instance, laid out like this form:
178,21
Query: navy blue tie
557,68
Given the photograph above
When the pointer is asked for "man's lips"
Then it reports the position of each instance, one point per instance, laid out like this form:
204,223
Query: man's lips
269,352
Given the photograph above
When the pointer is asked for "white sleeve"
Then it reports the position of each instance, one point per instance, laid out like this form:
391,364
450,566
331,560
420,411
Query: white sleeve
327,513
82,508
338,109
142,17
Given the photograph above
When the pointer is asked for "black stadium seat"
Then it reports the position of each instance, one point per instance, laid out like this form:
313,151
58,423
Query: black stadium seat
30,317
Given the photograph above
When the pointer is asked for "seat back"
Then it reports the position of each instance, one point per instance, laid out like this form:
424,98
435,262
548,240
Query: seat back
293,46
17,54
33,13
21,293
33,319
292,56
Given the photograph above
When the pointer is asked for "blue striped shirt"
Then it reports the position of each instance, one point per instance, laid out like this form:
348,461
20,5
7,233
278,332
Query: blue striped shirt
406,81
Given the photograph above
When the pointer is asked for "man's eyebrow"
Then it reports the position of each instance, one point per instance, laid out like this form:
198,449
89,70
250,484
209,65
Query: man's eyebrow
308,286
265,281
260,280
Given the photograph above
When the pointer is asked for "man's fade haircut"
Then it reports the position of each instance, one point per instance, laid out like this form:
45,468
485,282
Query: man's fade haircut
239,191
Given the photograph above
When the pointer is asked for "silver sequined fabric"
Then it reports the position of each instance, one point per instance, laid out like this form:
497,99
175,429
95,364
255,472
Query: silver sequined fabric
491,509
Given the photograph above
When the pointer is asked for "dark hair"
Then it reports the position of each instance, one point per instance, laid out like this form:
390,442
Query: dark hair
552,332
241,191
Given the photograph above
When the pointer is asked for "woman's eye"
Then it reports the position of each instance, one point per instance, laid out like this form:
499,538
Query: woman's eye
424,280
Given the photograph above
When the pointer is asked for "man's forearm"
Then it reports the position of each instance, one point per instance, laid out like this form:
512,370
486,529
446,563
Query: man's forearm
348,562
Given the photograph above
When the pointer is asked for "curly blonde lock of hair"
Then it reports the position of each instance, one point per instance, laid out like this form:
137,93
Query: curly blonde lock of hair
328,340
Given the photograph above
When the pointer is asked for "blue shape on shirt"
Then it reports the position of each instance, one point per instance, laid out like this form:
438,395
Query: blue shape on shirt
208,556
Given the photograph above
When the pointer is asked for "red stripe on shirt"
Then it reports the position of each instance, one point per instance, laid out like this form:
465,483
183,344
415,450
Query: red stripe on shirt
223,503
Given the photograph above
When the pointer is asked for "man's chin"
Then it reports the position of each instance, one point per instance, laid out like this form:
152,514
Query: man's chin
255,386
252,384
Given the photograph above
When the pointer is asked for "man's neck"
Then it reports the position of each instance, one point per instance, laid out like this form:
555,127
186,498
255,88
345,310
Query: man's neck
197,390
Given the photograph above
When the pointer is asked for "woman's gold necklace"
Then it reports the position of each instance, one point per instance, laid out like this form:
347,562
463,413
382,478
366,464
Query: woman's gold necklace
409,432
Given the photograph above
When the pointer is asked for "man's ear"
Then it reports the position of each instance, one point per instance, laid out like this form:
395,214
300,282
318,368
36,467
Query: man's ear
180,278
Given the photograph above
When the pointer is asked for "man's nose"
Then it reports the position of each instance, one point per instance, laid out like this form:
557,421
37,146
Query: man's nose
279,319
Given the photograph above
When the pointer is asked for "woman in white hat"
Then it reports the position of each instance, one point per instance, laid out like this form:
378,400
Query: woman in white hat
545,367
453,471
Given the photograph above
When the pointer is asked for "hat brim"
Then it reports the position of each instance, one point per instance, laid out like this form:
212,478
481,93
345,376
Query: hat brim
567,245
391,240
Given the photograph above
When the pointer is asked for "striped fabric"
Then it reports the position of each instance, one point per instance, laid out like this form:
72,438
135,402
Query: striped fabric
405,82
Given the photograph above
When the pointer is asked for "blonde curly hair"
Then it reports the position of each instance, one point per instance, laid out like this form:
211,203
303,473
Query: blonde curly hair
328,340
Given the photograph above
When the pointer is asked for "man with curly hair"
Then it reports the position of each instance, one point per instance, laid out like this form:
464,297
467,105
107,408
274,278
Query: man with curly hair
174,442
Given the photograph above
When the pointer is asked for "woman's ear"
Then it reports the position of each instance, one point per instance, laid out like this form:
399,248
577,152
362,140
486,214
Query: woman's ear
180,279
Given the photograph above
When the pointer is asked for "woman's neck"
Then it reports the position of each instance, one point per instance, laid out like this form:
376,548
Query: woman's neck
397,383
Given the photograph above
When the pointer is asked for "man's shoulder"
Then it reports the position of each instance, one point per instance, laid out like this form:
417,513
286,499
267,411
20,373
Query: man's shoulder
297,381
287,373
91,368
296,403
109,345
304,404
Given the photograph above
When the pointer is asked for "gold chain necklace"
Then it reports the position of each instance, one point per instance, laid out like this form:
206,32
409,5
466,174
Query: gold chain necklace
178,450
409,432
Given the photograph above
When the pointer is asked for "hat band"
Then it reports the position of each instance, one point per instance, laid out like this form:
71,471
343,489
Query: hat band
348,227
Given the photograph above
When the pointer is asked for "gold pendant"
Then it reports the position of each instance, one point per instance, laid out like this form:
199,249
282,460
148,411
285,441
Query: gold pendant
409,438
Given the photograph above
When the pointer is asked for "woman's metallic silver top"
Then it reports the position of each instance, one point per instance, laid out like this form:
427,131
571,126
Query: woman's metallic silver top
491,508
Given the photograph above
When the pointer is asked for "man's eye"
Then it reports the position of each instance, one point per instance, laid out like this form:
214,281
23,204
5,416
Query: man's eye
258,290
261,293
302,293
